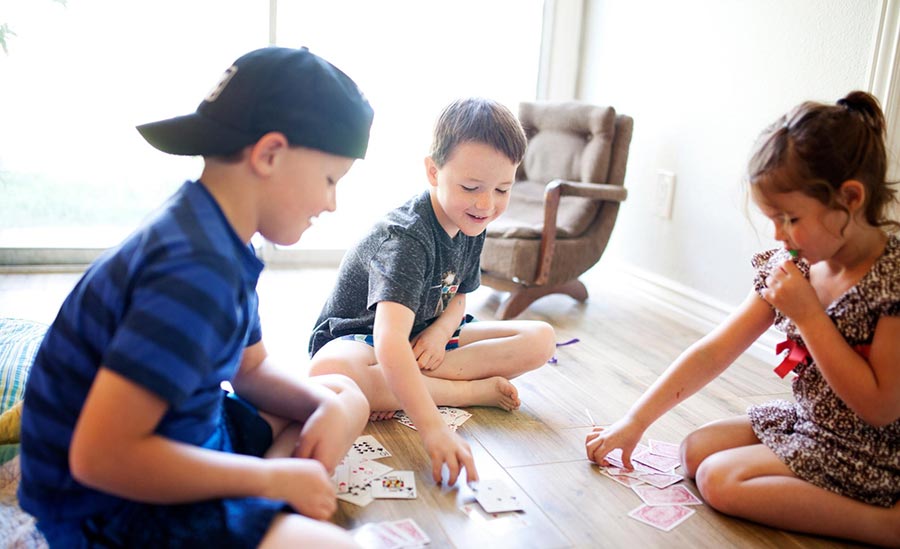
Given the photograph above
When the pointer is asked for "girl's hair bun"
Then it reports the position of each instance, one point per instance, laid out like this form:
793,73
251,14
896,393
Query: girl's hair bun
867,107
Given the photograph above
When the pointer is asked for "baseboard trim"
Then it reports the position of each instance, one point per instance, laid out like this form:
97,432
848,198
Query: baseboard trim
696,309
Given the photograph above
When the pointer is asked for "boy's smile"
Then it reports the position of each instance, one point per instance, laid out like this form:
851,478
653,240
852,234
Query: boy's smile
471,189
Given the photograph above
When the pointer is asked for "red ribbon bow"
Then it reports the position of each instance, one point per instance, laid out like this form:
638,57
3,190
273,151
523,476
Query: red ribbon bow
797,354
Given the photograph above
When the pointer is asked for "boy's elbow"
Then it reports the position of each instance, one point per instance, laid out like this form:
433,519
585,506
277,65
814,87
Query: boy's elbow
86,465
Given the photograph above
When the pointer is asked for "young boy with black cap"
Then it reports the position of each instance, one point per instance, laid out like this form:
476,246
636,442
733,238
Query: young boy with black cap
127,439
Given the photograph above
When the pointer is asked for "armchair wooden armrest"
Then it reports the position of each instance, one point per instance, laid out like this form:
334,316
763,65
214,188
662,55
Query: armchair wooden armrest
553,192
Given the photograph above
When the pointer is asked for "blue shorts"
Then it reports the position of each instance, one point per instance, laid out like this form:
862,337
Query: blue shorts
237,523
369,339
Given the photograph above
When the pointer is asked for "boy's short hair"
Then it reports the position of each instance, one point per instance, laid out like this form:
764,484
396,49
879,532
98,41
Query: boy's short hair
291,91
479,120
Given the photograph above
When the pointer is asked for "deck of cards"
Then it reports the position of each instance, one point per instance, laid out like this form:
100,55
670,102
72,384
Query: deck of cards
654,480
359,478
390,535
453,417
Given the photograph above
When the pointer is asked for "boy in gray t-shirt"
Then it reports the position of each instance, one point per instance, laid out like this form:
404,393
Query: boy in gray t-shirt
398,307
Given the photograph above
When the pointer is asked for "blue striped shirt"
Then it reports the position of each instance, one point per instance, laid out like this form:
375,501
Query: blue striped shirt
170,309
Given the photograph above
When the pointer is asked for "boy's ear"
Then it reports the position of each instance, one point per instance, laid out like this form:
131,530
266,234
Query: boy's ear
265,151
852,194
431,170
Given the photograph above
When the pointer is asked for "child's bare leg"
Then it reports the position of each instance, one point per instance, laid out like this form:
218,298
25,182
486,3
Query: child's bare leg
751,482
357,361
289,530
715,437
498,348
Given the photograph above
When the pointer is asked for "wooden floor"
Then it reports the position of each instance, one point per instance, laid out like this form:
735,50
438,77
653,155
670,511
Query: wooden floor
625,343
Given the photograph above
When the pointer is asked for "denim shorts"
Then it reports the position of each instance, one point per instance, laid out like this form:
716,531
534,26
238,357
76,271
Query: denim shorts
453,343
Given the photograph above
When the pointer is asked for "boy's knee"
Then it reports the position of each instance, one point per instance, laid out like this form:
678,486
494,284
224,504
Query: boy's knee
543,337
326,366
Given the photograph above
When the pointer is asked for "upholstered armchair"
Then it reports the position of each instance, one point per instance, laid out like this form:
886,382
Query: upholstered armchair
563,206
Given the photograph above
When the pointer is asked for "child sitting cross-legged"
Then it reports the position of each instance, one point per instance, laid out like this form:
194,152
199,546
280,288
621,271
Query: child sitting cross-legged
396,320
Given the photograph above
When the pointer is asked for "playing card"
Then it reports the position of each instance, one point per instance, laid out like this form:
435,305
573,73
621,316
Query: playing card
671,495
665,518
411,530
660,480
368,448
342,476
395,485
375,536
495,496
667,449
660,463
361,475
452,417
624,480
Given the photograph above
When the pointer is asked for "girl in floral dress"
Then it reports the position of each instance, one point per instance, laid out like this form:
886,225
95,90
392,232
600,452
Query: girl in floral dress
829,463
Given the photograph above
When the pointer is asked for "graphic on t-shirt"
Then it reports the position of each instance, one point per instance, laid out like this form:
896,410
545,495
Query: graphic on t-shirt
448,286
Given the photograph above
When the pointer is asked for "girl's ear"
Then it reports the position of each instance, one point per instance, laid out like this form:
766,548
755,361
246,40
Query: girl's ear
852,194
431,171
265,151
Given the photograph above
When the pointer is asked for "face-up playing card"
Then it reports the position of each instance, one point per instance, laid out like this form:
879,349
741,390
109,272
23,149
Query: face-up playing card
452,417
342,476
495,496
395,485
360,475
367,447
672,495
665,518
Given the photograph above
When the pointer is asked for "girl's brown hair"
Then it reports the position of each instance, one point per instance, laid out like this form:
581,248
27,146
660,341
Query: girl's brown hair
815,148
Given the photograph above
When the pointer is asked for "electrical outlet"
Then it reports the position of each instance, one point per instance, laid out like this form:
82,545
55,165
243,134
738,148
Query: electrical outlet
665,194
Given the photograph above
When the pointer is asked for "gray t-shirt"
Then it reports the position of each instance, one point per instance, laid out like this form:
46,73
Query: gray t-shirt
406,258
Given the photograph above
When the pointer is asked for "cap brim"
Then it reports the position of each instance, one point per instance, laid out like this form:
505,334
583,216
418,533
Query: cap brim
195,135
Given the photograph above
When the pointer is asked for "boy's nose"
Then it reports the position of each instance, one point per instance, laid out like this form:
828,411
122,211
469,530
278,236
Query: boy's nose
484,201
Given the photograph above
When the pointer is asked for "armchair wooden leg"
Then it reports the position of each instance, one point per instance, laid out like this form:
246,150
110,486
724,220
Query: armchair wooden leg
520,298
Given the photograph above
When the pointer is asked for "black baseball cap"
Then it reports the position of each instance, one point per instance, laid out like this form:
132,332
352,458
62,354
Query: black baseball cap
291,91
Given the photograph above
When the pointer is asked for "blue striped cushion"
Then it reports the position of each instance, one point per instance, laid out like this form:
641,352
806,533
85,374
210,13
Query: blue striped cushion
19,342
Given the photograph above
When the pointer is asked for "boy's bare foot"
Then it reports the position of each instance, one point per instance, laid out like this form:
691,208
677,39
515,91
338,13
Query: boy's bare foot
493,391
380,416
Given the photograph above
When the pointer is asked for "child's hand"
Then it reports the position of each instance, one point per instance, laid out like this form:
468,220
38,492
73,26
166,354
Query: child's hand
446,447
603,440
304,485
790,292
429,348
326,435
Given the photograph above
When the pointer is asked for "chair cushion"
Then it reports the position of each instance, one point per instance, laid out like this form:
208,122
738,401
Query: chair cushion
524,218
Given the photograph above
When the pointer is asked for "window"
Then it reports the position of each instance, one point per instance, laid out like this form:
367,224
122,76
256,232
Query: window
78,76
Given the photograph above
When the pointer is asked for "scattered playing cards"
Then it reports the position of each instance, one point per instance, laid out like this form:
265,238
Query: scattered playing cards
453,417
654,480
354,475
390,535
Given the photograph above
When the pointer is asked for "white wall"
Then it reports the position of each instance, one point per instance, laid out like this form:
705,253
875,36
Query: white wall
702,78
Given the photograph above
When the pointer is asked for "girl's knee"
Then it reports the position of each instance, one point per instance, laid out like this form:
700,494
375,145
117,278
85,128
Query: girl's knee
693,452
717,482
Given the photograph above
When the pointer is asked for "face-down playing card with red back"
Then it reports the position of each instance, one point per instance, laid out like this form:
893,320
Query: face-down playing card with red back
663,517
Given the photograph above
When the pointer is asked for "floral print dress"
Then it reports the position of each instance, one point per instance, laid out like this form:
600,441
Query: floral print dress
819,438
